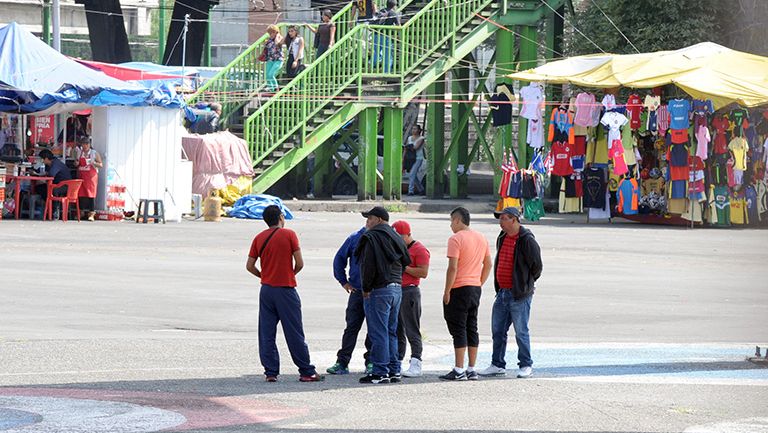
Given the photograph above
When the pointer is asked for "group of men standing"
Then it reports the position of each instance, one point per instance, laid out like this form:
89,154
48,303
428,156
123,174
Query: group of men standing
385,268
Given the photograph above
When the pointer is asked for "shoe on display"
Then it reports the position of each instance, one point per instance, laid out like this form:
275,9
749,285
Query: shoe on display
492,370
374,379
337,368
313,378
454,375
414,370
524,372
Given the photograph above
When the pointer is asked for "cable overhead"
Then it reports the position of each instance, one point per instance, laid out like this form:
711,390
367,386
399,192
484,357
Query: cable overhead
615,26
574,26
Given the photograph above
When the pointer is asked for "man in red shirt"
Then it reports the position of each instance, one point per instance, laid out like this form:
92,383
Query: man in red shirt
409,323
516,269
277,249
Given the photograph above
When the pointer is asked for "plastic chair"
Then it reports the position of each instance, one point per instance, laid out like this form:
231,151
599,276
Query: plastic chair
73,188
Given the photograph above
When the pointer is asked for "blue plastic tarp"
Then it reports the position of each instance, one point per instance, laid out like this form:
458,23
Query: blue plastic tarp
34,77
252,206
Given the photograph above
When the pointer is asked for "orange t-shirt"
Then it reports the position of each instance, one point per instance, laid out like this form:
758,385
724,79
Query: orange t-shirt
277,259
471,248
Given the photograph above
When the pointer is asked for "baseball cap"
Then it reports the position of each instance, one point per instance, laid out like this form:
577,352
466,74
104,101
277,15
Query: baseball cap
377,211
402,227
513,211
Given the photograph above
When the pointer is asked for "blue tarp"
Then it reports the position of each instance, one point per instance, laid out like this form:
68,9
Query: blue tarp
252,206
34,77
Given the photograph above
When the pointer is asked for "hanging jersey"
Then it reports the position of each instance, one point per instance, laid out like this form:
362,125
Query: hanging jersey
628,196
750,194
739,211
679,112
561,152
722,206
617,156
585,103
662,119
634,108
738,146
595,188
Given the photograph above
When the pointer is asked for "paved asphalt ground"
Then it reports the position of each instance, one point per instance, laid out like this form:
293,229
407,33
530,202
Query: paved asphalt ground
121,327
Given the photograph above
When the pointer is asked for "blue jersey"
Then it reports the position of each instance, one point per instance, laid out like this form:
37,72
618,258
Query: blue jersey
679,112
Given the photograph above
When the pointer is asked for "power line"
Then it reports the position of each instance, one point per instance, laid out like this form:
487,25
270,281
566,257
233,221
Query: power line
574,26
615,26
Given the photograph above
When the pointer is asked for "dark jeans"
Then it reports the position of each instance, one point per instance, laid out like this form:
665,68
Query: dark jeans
87,204
461,316
321,50
507,311
282,304
355,315
409,325
381,309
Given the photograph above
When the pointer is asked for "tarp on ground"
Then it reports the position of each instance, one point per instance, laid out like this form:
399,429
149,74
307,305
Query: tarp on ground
704,71
219,159
36,78
252,207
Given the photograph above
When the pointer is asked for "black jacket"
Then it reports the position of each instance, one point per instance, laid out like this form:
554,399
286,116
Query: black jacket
382,256
528,264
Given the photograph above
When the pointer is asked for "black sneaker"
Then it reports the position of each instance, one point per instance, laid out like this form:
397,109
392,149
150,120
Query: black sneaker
395,378
453,375
374,378
472,375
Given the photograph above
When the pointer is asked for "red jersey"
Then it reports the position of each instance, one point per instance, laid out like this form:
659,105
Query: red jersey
277,259
506,266
561,154
419,256
720,124
634,108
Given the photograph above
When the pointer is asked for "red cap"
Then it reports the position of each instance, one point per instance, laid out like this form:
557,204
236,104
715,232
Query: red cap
402,227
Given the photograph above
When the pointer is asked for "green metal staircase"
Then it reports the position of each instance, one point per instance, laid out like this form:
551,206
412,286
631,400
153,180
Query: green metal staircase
284,128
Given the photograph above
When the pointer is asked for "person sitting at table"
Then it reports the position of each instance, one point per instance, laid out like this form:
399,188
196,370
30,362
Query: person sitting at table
56,169
88,162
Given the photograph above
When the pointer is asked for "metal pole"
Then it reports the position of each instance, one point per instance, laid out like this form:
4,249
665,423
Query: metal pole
47,21
161,32
207,50
184,48
56,25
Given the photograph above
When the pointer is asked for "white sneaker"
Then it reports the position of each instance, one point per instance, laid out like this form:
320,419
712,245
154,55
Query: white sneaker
414,370
492,370
524,372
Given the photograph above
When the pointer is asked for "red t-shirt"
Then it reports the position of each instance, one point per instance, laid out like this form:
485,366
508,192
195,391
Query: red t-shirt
277,259
634,108
419,256
562,153
506,265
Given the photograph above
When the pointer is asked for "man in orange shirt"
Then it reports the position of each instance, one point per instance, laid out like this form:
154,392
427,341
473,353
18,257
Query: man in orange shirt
469,264
278,250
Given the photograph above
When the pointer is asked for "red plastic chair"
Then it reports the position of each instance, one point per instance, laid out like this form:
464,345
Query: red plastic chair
73,188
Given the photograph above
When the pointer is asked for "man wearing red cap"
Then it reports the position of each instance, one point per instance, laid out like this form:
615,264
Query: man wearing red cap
409,323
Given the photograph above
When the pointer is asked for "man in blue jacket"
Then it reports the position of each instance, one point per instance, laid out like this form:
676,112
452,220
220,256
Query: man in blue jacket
355,314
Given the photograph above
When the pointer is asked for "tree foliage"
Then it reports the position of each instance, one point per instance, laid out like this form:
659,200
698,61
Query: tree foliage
654,25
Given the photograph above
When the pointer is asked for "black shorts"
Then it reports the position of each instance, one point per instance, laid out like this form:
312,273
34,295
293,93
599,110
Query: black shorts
461,316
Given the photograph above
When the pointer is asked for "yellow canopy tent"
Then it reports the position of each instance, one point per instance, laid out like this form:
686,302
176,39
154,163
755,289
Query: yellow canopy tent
704,71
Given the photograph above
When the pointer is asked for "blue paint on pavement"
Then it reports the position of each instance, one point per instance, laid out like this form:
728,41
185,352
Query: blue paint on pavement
13,419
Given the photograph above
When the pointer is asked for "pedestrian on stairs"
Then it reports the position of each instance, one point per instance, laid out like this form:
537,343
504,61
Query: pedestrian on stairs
273,55
295,43
325,34
409,323
382,43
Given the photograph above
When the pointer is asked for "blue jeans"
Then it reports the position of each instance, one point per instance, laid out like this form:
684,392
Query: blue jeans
354,316
506,312
382,43
382,308
282,304
413,177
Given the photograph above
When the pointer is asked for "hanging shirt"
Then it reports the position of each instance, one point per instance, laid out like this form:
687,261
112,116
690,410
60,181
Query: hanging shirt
628,142
662,119
585,103
532,100
750,194
739,117
679,112
647,186
702,142
614,121
561,153
515,185
652,102
595,188
678,136
535,136
628,196
501,109
609,102
678,155
634,108
701,110
561,126
739,210
739,147
761,189
616,153
722,206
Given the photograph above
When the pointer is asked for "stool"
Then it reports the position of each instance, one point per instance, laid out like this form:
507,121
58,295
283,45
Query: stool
157,215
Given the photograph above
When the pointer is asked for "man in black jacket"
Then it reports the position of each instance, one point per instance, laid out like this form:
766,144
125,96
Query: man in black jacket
516,269
382,256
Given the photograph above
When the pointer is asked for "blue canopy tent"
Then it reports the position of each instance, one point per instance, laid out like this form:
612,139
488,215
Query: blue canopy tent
35,78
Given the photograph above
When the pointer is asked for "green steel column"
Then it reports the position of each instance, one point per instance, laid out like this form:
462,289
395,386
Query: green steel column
323,187
47,21
207,48
554,36
459,154
528,54
435,130
161,32
393,153
366,169
505,63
